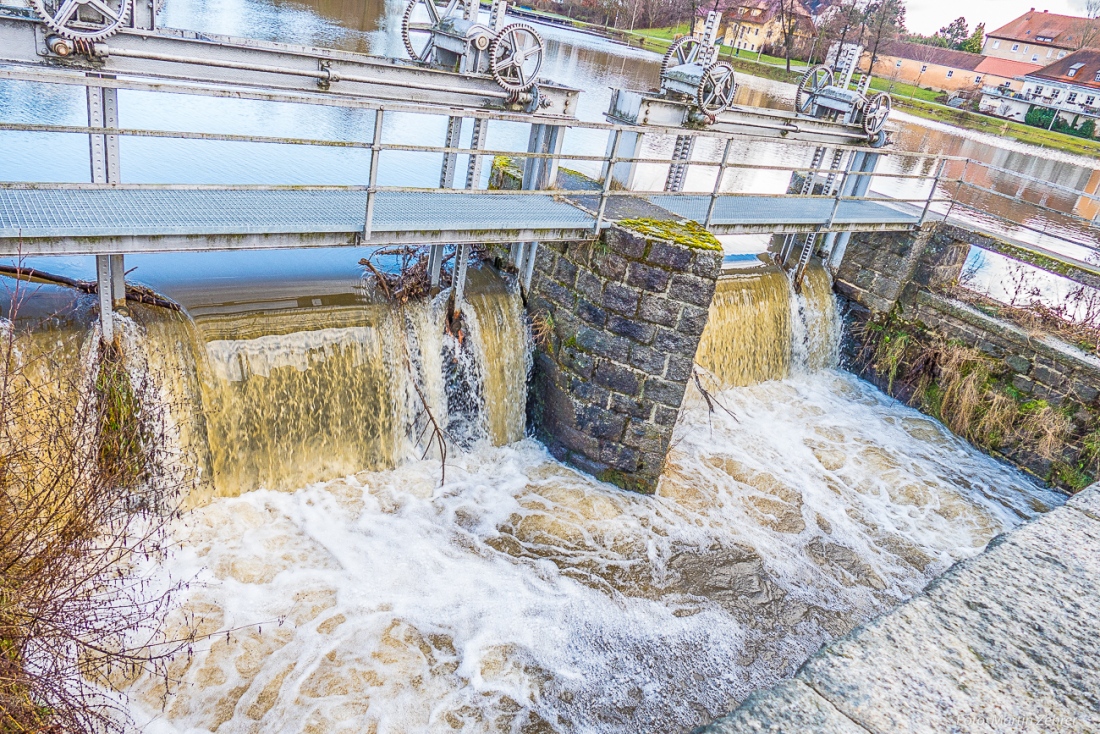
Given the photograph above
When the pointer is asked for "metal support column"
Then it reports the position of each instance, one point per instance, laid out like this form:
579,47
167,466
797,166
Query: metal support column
462,258
623,172
105,165
677,170
375,154
857,182
477,142
435,266
450,160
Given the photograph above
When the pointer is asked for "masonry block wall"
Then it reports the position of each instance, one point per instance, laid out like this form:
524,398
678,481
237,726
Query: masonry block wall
901,283
619,321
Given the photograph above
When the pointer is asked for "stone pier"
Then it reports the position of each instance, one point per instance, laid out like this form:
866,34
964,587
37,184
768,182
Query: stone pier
617,324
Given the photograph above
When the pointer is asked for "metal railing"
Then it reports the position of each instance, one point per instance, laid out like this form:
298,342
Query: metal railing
936,197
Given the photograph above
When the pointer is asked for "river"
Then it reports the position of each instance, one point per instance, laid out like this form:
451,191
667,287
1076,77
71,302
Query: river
519,595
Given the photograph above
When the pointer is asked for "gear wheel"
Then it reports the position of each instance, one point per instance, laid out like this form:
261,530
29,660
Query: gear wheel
682,51
875,113
813,81
717,89
515,57
61,15
435,15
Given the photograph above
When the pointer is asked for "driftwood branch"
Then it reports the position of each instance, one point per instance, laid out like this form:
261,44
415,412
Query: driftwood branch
134,293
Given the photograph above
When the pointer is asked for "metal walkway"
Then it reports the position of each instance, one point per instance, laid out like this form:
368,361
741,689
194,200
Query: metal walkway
86,220
74,220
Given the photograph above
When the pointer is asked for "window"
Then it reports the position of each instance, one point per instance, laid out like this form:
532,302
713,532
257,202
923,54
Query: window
996,44
923,68
1026,49
1039,89
1061,54
1072,97
950,73
1054,93
1034,58
1050,52
978,79
1090,100
898,65
757,31
1074,69
1097,77
1015,47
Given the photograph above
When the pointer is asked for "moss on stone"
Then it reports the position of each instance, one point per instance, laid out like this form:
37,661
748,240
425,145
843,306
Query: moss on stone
686,233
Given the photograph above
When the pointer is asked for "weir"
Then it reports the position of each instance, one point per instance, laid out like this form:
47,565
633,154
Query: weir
786,501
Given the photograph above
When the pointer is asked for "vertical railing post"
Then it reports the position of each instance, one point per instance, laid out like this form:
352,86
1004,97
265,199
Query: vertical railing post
372,184
932,193
106,302
477,142
612,159
718,183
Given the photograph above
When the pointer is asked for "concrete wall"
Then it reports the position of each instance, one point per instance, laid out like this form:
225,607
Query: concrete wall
1004,642
621,320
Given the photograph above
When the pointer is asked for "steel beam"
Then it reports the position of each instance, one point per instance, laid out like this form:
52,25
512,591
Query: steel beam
210,59
103,291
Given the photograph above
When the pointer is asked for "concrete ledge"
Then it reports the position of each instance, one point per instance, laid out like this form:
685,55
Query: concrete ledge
1006,641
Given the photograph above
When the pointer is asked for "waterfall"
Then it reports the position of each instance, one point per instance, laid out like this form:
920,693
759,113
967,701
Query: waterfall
760,329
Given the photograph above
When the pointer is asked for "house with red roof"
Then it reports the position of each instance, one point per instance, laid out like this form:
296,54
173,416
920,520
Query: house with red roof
1070,87
943,68
1041,38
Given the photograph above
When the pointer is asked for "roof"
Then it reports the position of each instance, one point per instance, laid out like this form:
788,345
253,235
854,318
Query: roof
770,8
1085,63
930,54
1043,29
1006,67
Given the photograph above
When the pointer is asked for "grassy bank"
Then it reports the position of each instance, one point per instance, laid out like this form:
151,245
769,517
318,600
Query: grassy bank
997,126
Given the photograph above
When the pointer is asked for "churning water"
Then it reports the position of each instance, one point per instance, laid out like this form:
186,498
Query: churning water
522,596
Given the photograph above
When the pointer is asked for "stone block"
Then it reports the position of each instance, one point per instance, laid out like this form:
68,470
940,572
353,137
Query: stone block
565,272
617,377
648,360
639,331
648,278
1023,384
690,289
585,390
665,392
706,264
591,313
1007,636
1084,392
646,436
667,255
628,244
620,457
665,416
609,265
679,368
575,440
791,707
590,286
577,361
659,310
634,407
602,344
1017,363
588,465
1047,376
600,422
559,294
675,343
621,299
1087,501
693,320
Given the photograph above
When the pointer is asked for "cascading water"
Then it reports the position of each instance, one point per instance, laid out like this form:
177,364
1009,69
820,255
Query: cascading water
523,596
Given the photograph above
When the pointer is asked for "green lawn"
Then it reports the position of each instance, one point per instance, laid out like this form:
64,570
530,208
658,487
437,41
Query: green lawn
901,89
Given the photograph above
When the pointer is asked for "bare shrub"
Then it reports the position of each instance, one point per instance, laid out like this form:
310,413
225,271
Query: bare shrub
87,489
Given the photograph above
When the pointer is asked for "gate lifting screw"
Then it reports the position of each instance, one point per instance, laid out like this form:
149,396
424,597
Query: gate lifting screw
60,46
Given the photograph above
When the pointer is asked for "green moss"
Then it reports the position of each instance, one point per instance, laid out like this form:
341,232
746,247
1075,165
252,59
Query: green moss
688,233
625,481
1072,477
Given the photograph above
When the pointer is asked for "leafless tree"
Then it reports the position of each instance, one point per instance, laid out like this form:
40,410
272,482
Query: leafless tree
1087,30
88,484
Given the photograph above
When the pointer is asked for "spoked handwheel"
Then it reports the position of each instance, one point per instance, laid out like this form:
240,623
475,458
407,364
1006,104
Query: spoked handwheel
812,82
418,22
84,20
515,57
683,51
716,89
875,113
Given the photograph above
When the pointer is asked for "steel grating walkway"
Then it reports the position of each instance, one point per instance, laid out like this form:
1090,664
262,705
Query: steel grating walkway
752,214
53,219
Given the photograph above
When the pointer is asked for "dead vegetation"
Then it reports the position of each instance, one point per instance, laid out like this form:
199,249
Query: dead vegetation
87,489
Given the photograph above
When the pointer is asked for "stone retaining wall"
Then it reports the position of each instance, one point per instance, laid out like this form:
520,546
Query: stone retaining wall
1004,642
620,320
